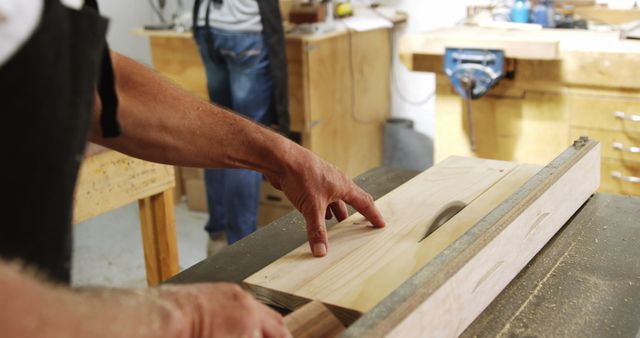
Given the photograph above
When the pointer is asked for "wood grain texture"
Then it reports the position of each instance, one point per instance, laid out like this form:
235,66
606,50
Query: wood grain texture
615,185
110,179
530,117
515,44
605,68
339,95
313,320
598,112
506,128
179,59
609,16
158,225
364,264
453,288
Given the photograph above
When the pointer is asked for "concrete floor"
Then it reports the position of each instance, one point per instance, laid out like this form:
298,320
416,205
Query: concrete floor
107,249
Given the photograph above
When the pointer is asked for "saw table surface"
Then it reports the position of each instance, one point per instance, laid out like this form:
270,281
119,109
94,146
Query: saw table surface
584,282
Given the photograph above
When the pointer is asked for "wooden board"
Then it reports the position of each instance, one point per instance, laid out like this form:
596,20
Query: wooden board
609,16
516,44
599,112
506,128
185,67
617,185
580,58
313,320
158,226
339,95
453,288
110,179
364,265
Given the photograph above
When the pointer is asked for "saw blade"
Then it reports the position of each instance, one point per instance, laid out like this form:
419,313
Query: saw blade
443,216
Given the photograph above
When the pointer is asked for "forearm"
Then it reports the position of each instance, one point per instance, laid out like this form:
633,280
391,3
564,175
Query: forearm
163,123
32,308
166,124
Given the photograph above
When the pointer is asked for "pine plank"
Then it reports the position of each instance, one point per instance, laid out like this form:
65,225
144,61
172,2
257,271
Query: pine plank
158,226
364,264
109,180
313,320
452,289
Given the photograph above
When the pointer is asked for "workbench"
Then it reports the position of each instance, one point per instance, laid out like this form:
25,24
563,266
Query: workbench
584,282
562,84
108,180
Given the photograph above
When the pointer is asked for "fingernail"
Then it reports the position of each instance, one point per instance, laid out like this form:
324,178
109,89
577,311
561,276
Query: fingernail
319,249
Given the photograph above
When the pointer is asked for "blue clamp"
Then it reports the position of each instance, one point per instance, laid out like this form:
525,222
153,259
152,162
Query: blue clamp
479,68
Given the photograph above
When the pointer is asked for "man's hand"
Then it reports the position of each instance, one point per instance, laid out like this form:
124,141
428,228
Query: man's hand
224,310
32,307
318,190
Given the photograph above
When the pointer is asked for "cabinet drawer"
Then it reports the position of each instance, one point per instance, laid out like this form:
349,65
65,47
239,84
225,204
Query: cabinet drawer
605,113
620,177
615,144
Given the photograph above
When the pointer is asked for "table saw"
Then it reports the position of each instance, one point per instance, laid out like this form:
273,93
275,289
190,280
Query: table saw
584,282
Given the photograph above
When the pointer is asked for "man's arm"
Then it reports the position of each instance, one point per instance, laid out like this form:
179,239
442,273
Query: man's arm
166,124
34,308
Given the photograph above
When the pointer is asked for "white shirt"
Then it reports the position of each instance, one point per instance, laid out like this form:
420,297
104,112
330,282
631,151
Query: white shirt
233,15
18,21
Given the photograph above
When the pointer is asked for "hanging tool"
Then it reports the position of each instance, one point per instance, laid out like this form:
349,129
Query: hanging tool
473,72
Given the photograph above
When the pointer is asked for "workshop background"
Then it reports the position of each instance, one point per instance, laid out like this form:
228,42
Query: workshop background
107,248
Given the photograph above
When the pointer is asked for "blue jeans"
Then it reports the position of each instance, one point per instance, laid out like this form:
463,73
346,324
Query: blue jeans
239,78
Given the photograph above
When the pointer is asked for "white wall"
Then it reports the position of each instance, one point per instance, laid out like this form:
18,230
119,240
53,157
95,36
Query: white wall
126,15
416,87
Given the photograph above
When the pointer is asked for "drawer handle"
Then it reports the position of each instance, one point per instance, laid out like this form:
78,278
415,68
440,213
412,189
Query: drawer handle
631,179
619,146
621,115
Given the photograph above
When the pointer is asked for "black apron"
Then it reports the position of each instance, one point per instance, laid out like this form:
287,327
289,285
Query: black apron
47,90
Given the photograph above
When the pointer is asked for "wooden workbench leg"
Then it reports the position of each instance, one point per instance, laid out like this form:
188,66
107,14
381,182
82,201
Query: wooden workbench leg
158,222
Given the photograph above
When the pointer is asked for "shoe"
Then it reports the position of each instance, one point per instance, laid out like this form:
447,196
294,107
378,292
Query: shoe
217,242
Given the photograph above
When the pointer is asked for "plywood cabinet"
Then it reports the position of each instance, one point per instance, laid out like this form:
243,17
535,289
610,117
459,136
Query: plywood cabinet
589,87
531,129
339,95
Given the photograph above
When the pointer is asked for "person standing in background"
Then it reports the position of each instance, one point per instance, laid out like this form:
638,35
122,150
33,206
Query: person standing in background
241,43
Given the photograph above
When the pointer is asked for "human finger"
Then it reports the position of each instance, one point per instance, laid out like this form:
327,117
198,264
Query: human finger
270,313
363,203
339,209
275,329
317,233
